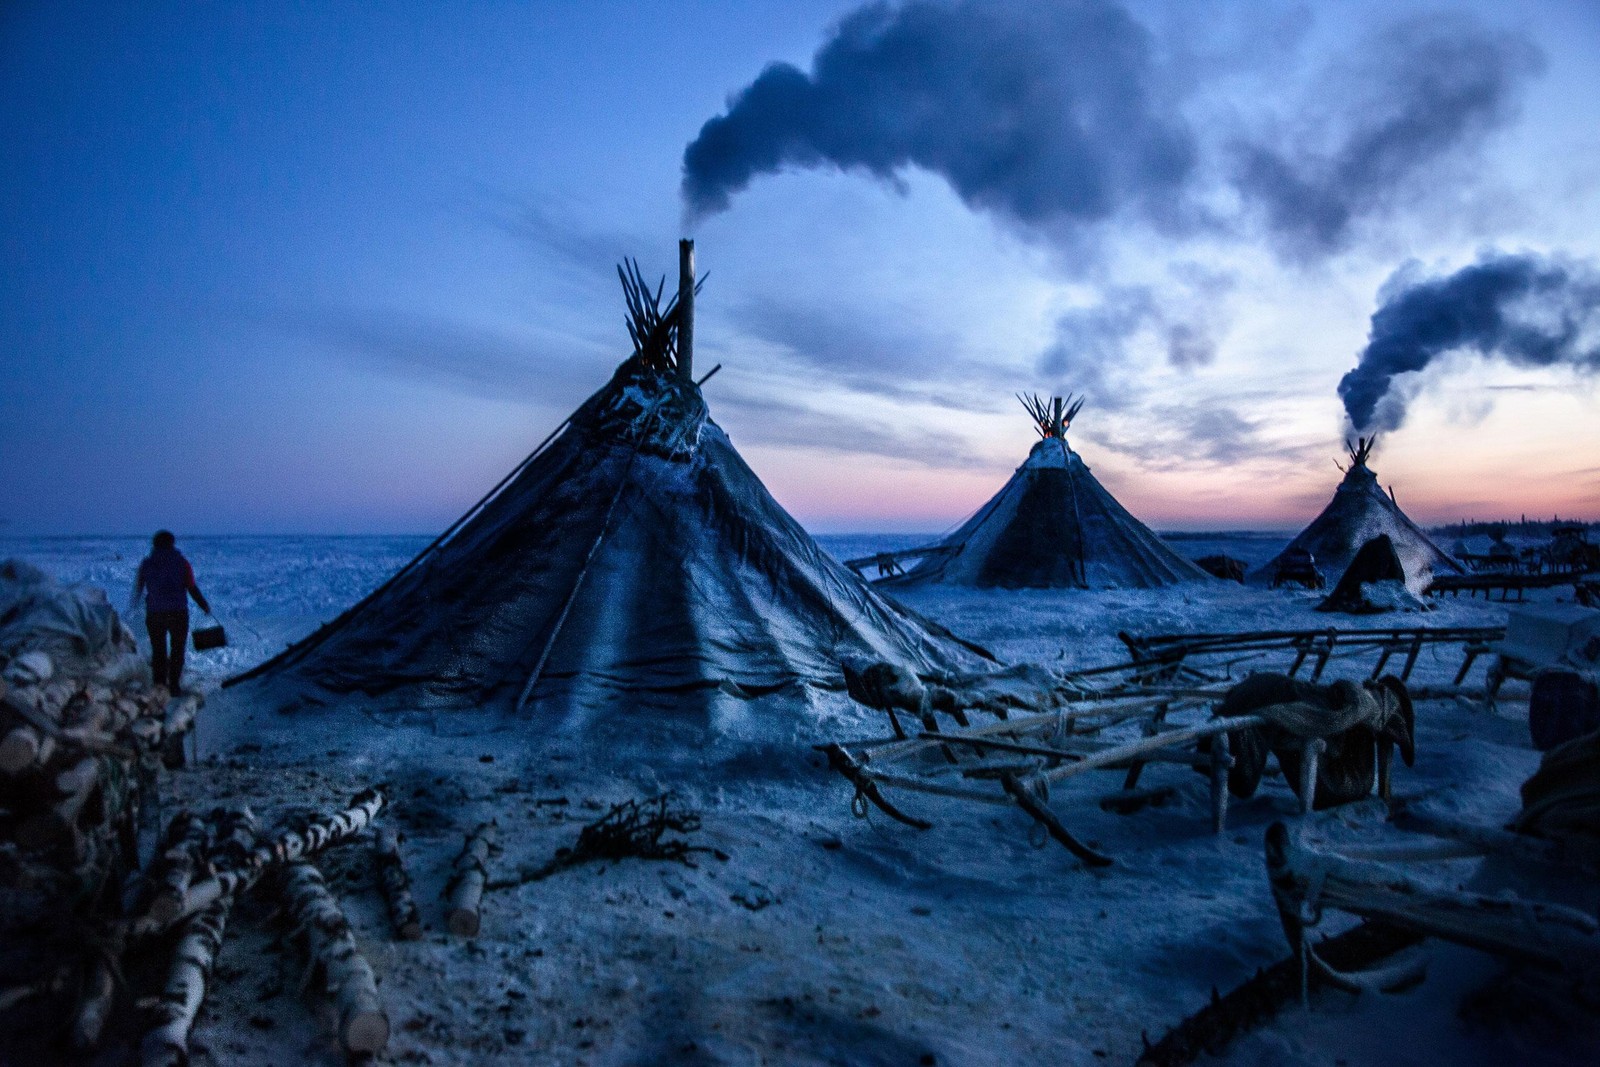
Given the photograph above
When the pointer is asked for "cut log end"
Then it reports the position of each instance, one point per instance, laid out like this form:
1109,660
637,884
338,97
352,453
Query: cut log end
166,909
366,1032
20,749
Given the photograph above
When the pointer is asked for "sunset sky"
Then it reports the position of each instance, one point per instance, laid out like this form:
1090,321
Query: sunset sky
336,267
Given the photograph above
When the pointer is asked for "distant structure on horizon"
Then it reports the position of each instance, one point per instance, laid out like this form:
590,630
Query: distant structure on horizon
1052,526
1360,511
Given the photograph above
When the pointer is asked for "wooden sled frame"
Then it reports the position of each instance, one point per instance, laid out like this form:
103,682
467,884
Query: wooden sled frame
1307,881
1168,674
1025,755
1163,654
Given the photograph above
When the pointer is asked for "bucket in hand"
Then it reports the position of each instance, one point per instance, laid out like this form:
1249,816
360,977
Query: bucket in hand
213,636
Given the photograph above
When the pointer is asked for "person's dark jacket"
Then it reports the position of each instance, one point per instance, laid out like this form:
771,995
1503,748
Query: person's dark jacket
168,581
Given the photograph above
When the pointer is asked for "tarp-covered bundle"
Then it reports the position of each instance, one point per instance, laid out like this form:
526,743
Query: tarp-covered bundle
74,624
637,553
1360,511
1359,724
1053,525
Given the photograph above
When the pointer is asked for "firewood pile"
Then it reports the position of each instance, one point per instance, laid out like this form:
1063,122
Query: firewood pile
169,918
84,737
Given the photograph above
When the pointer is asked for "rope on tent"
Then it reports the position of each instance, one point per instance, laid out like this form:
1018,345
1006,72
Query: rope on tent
322,633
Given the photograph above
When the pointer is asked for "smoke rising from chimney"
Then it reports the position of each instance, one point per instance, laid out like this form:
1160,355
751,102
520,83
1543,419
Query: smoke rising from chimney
1528,310
1044,113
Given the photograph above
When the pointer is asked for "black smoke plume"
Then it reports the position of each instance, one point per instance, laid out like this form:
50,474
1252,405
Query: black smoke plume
1528,310
1424,91
1043,112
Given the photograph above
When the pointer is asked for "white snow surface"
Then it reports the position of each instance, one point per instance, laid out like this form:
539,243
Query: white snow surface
821,938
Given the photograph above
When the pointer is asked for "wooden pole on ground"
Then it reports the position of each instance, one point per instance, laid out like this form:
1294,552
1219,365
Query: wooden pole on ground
166,1043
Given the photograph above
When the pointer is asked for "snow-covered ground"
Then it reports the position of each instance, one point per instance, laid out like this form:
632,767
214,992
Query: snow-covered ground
821,938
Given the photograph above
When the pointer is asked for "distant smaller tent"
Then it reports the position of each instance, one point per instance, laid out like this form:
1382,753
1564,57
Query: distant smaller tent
1053,525
1223,566
1360,511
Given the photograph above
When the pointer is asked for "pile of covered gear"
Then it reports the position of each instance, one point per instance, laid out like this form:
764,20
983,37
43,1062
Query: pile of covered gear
1347,729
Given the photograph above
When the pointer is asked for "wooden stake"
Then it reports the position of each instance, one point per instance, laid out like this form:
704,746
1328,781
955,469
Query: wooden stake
1222,761
1314,748
176,725
466,885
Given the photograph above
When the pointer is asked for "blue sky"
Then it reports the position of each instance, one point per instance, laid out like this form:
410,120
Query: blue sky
336,267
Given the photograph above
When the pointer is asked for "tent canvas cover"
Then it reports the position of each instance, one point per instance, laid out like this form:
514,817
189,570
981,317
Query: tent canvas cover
1053,525
1360,511
633,553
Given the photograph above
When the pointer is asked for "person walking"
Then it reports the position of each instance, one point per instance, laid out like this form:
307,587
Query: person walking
167,581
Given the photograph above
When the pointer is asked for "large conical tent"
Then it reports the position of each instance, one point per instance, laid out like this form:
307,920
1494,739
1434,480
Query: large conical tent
1053,526
1360,511
633,555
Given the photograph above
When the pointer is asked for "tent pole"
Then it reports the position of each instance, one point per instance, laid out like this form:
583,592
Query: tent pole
583,572
686,310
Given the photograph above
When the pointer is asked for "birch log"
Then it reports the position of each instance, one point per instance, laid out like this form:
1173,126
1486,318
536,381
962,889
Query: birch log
23,747
396,885
99,996
331,949
174,867
55,820
237,861
176,724
319,833
466,885
166,1043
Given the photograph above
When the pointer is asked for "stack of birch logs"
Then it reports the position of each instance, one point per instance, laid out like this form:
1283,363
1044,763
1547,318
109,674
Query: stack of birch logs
204,866
81,746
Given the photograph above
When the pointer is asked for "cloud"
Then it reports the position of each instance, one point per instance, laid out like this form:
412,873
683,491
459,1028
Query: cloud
767,421
1425,90
882,353
1092,351
463,359
1178,437
1528,310
564,232
1042,113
